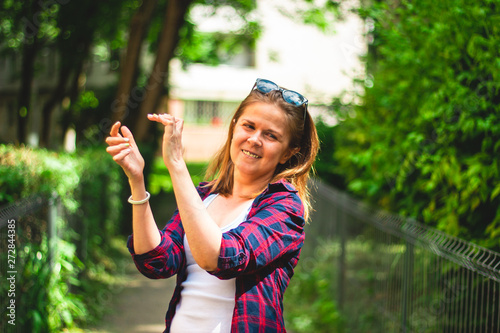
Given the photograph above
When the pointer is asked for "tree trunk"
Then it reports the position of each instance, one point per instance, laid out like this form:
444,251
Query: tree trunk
74,93
138,28
56,97
30,49
169,38
73,52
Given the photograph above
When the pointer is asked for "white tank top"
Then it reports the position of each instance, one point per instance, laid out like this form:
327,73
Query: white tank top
206,303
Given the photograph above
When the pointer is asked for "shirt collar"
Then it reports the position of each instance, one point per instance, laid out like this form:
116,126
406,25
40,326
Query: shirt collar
280,186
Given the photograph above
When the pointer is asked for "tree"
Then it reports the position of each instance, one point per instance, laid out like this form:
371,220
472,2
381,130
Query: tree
77,26
425,140
174,28
70,29
22,24
138,29
77,31
169,38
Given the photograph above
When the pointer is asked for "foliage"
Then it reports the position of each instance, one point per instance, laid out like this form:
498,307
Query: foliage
309,301
160,181
216,47
26,171
67,34
212,48
60,277
45,302
425,141
326,165
320,14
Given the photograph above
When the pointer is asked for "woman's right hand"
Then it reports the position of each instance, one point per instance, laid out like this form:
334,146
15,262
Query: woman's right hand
125,152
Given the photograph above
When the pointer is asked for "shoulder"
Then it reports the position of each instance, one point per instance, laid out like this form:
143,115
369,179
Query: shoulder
279,189
281,186
280,195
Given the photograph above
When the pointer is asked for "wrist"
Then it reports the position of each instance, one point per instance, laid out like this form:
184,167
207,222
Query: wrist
177,167
136,181
137,188
139,202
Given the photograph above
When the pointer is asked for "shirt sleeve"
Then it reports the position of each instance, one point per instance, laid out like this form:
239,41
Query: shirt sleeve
275,232
165,260
168,257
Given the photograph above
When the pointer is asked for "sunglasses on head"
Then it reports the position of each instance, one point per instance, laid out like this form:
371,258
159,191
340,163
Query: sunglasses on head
290,96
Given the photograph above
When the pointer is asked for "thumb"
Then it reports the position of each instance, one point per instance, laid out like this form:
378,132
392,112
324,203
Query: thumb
179,125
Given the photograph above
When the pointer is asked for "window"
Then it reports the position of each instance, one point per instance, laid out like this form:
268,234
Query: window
208,112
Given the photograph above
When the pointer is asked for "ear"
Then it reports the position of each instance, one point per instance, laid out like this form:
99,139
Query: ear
287,155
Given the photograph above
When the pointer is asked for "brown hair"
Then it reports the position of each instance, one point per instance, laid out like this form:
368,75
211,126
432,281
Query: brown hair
296,170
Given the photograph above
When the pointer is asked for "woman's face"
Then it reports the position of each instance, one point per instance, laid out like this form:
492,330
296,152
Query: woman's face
260,141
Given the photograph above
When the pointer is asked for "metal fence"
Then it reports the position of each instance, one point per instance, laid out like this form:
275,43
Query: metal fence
394,274
32,217
27,228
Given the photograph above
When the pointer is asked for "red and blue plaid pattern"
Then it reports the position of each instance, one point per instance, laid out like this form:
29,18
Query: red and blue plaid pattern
260,253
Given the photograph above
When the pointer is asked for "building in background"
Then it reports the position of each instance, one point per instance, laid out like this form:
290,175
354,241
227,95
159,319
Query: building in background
294,55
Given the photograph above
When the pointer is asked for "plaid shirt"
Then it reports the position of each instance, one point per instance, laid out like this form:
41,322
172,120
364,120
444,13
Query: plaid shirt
260,253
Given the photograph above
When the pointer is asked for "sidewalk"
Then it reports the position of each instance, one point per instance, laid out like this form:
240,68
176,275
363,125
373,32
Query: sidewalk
140,307
141,304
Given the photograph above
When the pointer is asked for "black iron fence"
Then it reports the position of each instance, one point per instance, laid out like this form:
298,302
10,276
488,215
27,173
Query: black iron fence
394,274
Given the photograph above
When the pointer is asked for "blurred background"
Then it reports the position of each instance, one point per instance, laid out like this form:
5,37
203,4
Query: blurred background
406,99
88,64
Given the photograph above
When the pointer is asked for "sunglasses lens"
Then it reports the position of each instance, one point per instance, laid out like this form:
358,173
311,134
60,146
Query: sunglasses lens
290,96
266,86
293,97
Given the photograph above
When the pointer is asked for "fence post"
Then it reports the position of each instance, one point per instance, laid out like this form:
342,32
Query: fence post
407,282
52,227
341,216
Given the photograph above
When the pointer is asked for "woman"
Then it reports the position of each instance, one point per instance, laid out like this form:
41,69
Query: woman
234,241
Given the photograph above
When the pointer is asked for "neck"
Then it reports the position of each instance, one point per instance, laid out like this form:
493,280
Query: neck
245,188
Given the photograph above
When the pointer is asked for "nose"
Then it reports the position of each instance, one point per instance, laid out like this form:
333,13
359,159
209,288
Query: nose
254,139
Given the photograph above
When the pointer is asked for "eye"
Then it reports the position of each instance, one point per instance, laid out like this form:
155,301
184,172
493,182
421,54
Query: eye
272,136
249,126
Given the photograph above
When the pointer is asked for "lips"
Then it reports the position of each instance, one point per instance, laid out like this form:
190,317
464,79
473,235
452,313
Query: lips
246,152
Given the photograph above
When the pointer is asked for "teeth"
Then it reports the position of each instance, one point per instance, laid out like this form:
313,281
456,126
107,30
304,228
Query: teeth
250,154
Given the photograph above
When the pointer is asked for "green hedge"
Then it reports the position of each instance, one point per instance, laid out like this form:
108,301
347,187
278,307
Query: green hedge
425,141
88,187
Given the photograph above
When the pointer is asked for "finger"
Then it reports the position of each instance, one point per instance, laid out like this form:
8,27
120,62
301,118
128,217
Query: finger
111,140
159,118
114,129
128,135
114,150
163,118
166,119
152,116
121,155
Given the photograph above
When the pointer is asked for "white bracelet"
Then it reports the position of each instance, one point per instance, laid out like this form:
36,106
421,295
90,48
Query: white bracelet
139,202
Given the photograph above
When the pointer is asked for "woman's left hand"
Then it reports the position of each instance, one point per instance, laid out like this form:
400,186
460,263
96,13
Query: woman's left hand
172,148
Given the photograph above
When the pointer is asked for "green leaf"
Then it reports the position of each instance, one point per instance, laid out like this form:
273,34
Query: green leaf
495,192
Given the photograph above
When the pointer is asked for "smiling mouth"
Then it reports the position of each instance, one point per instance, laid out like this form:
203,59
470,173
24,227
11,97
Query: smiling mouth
246,152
